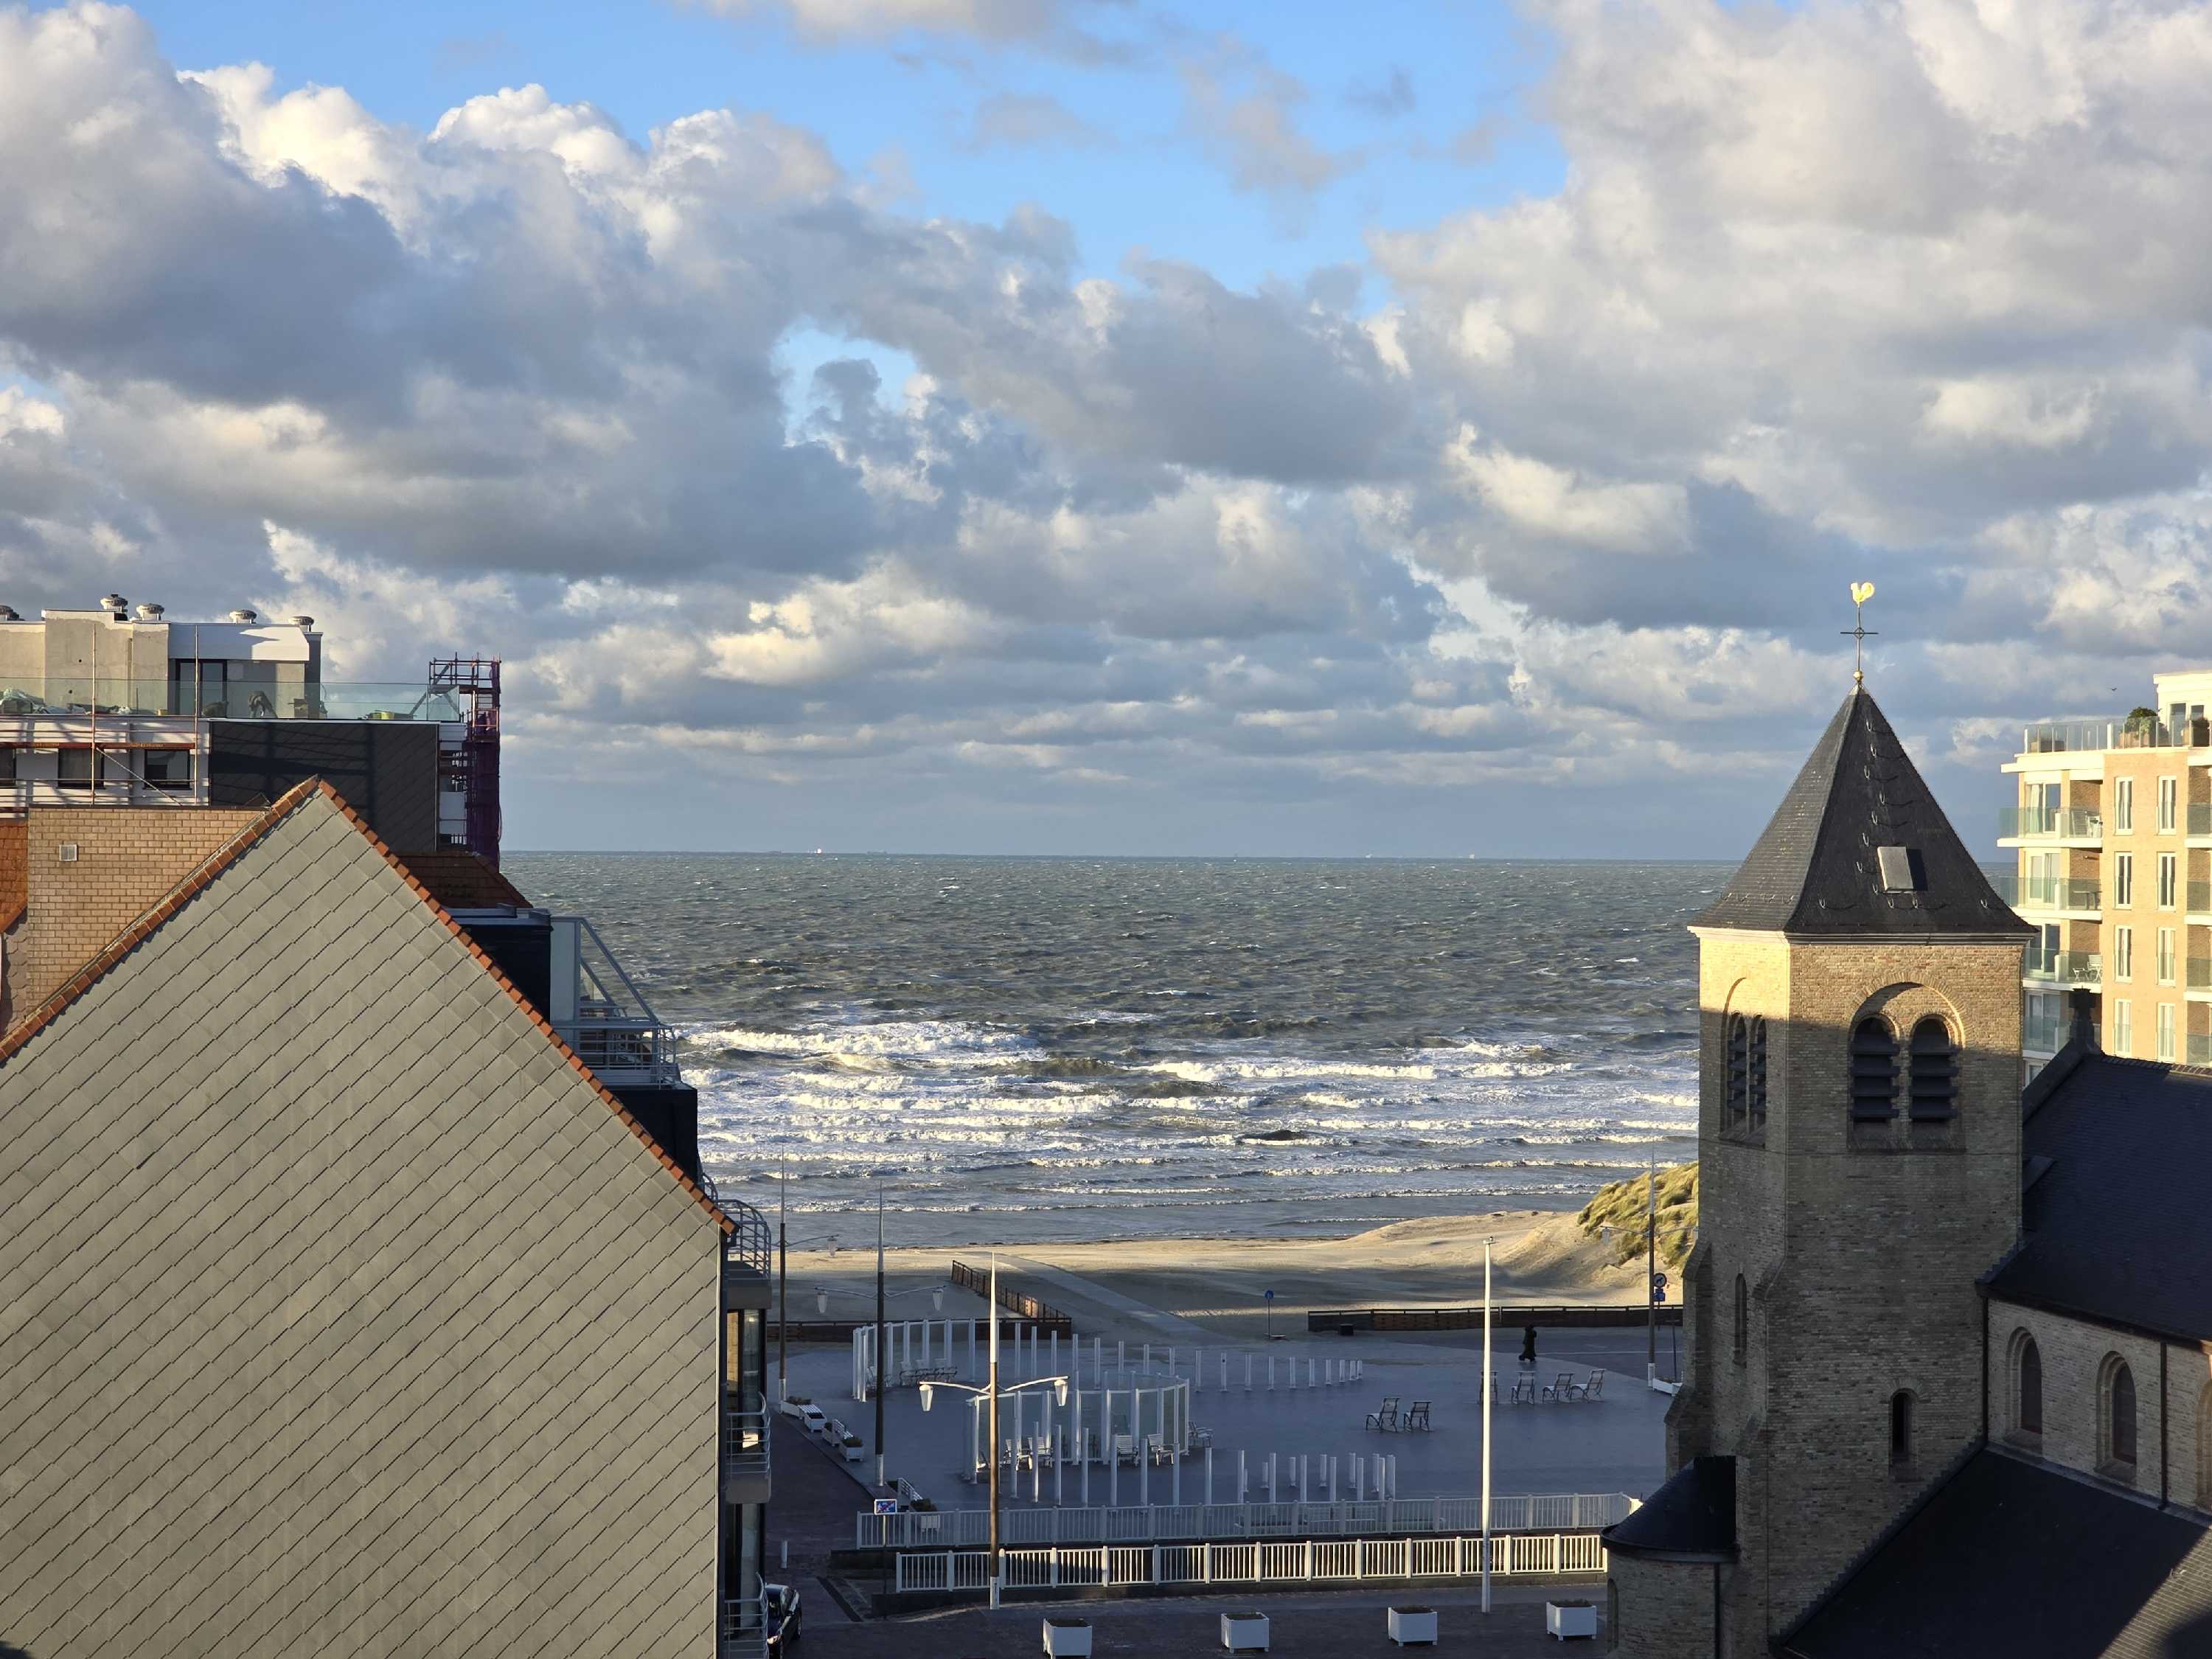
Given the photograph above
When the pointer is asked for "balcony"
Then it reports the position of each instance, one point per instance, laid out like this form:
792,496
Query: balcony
344,700
745,1472
2063,967
2199,1051
2200,972
2200,896
2049,892
2089,736
2049,823
2047,1033
2200,818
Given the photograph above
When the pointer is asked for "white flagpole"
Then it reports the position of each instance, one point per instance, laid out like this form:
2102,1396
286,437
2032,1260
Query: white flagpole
991,1451
1486,1425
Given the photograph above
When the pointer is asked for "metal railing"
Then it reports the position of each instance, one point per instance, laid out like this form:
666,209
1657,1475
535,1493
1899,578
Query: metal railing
745,1442
743,1630
1527,1555
2066,823
329,700
747,1247
2049,892
1151,1524
2063,967
2088,735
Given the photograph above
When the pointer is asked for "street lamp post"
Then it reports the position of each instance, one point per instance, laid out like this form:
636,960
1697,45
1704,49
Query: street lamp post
881,1352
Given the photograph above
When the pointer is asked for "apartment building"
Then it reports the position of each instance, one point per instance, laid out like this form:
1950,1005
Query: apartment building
2112,834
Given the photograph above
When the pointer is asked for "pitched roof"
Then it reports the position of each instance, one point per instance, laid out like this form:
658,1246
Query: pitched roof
1692,1518
2009,1557
462,880
2115,1224
1818,868
339,1311
316,789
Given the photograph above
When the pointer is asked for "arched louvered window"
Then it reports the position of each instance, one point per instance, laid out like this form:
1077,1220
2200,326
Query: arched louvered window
1756,1092
1873,1071
2027,1385
1742,1319
1934,1065
1900,1426
2115,1435
1739,1070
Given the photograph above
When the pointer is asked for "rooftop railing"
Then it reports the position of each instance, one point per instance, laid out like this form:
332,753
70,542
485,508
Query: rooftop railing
331,700
2064,967
2128,731
2065,822
2049,892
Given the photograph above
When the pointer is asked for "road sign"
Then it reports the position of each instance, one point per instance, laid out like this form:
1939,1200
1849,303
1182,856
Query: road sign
887,1506
1659,1281
1270,1295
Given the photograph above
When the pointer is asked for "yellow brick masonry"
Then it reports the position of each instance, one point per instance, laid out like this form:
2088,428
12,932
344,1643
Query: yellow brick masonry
127,858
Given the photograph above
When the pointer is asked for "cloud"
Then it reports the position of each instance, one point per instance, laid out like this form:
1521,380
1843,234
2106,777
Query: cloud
1244,115
1385,99
1030,121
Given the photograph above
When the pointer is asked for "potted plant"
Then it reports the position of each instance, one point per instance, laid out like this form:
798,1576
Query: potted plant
1569,1618
1414,1625
1244,1633
2140,729
1068,1636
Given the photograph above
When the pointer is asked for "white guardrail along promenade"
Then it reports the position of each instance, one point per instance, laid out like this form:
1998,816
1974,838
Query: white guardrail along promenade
1528,1512
1548,1555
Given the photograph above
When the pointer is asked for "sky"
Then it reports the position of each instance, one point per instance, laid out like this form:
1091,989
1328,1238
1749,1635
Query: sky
1092,427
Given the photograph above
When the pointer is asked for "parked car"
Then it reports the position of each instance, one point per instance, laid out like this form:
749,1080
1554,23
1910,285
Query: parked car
781,1601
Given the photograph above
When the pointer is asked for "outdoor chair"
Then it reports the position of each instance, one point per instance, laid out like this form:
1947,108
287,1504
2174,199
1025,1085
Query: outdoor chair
1594,1389
1524,1389
1387,1418
1157,1447
1563,1390
1125,1448
1417,1417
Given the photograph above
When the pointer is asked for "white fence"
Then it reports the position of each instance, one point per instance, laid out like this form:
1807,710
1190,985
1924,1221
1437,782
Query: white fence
1526,1512
1524,1555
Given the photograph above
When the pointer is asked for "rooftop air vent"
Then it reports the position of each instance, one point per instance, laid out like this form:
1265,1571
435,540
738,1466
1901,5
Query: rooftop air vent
114,602
149,611
300,622
243,614
7,613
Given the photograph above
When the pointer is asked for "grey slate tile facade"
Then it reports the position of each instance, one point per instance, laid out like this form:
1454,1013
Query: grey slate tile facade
338,1314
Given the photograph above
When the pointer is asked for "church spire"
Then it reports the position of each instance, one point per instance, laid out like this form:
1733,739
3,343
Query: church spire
1860,849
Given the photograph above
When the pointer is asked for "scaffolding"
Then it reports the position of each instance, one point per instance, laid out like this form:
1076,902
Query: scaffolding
473,768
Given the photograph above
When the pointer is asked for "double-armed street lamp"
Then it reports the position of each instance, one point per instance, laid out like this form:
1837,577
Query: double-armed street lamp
1057,1384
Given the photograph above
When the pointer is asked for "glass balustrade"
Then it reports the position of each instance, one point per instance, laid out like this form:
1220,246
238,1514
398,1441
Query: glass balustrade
2047,892
331,700
2063,822
2200,818
2064,967
2138,731
2200,896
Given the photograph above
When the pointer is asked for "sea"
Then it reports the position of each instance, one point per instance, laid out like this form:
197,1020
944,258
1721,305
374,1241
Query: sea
1010,1050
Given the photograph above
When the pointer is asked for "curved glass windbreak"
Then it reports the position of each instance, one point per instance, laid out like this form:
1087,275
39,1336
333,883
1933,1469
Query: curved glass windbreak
338,700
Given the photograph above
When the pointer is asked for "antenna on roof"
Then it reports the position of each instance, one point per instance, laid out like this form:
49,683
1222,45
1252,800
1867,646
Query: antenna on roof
1859,634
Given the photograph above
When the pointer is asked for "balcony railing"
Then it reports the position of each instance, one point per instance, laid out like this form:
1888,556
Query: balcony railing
2064,967
2200,818
2067,737
745,1442
744,1627
2049,892
2200,896
2063,822
748,1246
2200,972
2047,1033
342,700
613,1043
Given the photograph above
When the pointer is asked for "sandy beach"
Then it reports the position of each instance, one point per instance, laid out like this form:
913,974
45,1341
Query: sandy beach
1201,1289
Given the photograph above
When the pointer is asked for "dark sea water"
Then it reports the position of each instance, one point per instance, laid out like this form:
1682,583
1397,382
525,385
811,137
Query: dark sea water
1056,1048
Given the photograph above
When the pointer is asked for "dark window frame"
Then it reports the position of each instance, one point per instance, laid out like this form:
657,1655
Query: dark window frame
1932,1065
1874,1070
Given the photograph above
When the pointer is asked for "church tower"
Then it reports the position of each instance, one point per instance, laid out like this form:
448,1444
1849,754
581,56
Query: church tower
1859,1134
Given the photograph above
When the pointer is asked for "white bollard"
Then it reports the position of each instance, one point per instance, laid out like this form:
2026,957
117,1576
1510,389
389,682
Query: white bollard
1309,1372
1148,1358
1247,1372
1120,1355
1358,1473
1244,1481
1271,1373
1209,1477
1271,1477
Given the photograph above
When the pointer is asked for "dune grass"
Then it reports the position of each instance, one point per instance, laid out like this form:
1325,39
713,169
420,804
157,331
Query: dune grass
1617,1215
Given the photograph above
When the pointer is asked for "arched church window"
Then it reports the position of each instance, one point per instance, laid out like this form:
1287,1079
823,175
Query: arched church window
2027,1385
1873,1071
1900,1426
1742,1319
1739,1070
1935,1066
2115,1435
1756,1101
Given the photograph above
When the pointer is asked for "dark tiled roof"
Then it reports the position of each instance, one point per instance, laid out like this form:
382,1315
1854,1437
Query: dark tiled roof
2116,1223
1691,1518
461,880
1815,869
2011,1557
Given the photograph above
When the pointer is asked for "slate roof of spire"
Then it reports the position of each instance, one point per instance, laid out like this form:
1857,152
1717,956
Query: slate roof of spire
1817,868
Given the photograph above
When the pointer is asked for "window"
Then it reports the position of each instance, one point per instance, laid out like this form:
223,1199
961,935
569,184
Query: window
2124,879
2166,956
1873,1071
2116,1436
7,765
1900,1426
2166,1031
2204,1448
1935,1065
2123,953
73,769
2124,1029
2123,805
1758,1100
2026,1387
2166,872
1743,1320
1739,1070
167,769
2169,790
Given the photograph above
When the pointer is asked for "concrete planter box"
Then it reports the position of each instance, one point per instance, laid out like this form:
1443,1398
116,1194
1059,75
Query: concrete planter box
853,1450
1068,1636
1244,1633
1414,1625
1569,1618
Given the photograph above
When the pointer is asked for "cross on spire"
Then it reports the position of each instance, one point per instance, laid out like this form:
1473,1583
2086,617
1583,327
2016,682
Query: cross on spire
1859,634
